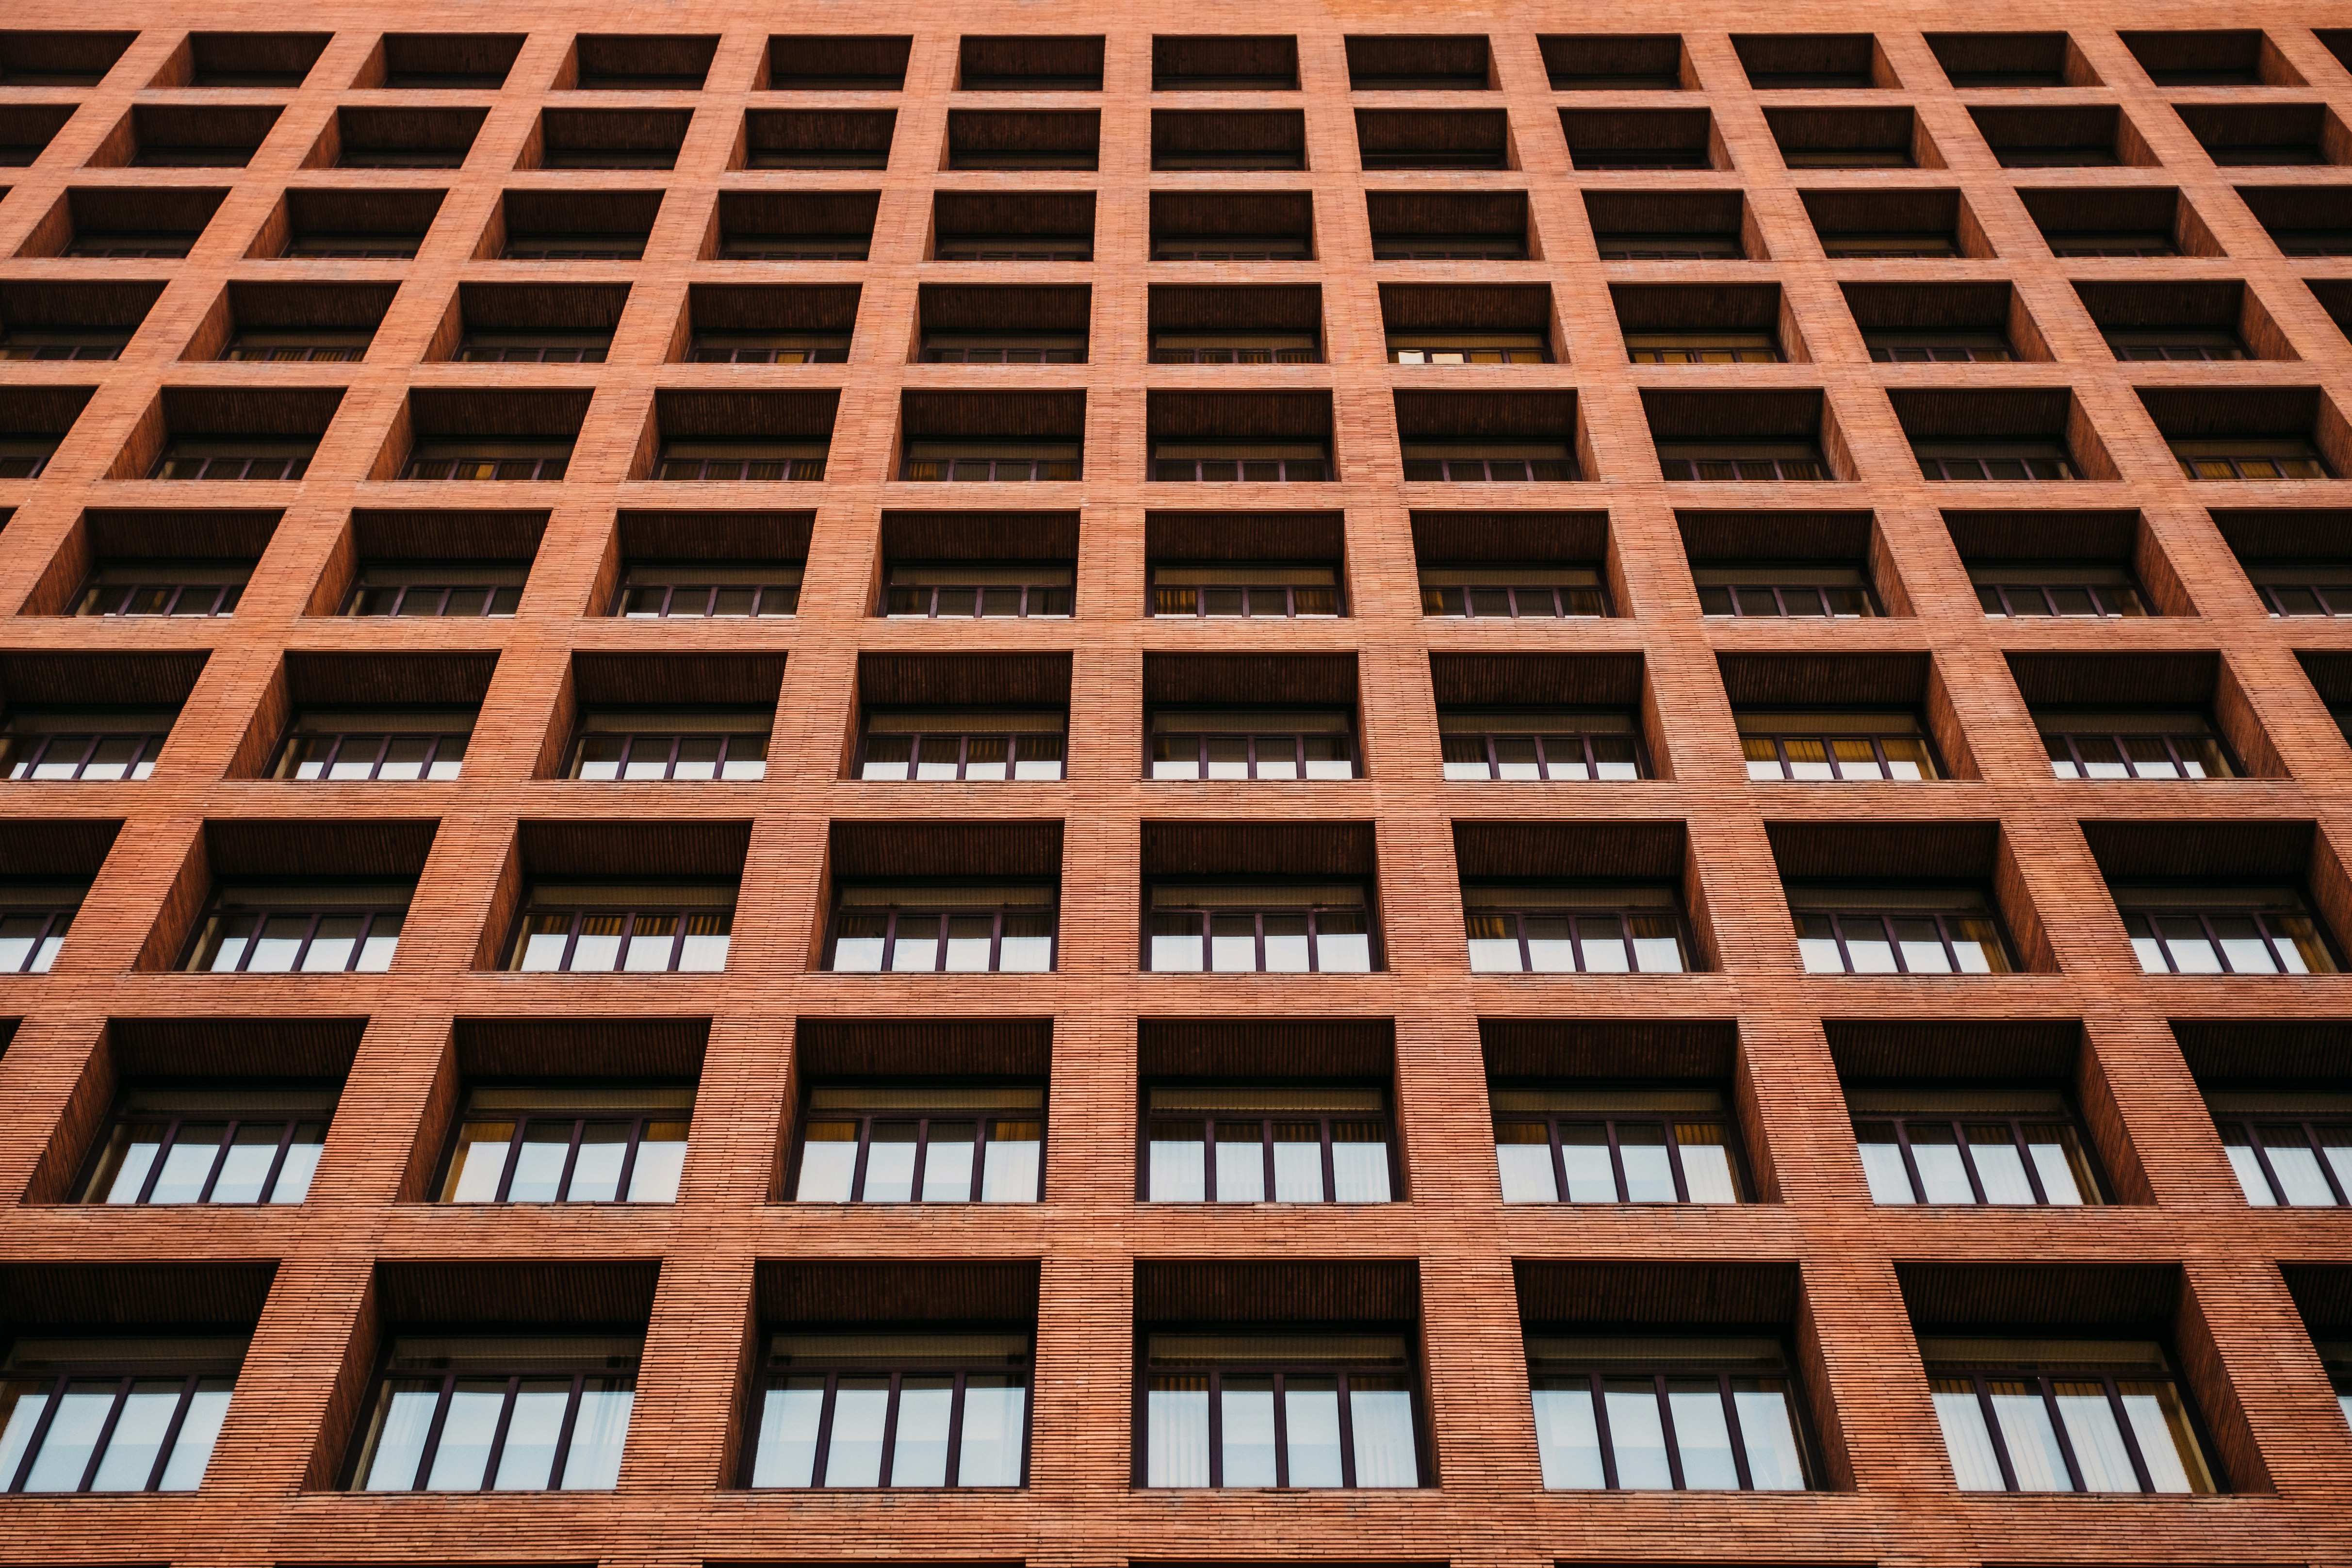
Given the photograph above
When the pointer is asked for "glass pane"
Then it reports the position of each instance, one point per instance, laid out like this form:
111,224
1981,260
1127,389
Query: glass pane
1641,1150
1551,943
947,1164
331,946
2058,1159
2297,1165
199,1430
1568,1438
596,1168
1514,757
970,938
1241,1163
1380,1410
890,1163
2248,1166
1176,943
250,1155
854,1456
1702,1434
396,1441
1299,1162
2244,945
1232,943
1228,757
1602,944
995,1423
463,1458
857,943
1657,945
121,1170
1310,1409
1817,944
72,1437
698,758
1636,1435
985,756
1494,944
1882,1163
598,949
651,942
1868,949
1523,1154
527,1462
1287,945
1976,944
887,756
1359,1163
2000,1167
1277,756
281,939
915,946
1584,1150
189,1162
1705,1151
2160,1424
1809,757
1026,945
1178,1172
828,1162
1943,1173
2185,941
2097,1438
2032,1440
1769,1431
2336,1145
598,1435
538,1164
1922,943
479,1160
1975,1464
138,1437
789,1417
1176,1442
1249,1413
301,1163
919,1450
661,1160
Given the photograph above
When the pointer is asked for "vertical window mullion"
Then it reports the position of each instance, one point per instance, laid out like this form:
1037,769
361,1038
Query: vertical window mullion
571,940
433,1429
2326,1166
1265,1156
2131,1439
890,1428
220,1158
562,1455
162,1153
628,1160
570,1161
2262,1158
1617,1162
1347,1433
858,1162
1597,1392
2058,1425
825,1430
954,1476
2025,1157
1667,1425
105,1438
1675,1161
278,1160
1968,1160
1558,1160
1216,1412
1910,1163
514,1157
1281,1431
171,1433
1738,1439
1527,954
677,943
40,1434
1330,1173
2214,938
922,1150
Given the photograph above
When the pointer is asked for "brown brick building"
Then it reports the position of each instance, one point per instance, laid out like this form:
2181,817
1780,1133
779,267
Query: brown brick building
1257,786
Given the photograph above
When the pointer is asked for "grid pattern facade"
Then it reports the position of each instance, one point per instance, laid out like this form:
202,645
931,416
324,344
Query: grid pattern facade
1882,1489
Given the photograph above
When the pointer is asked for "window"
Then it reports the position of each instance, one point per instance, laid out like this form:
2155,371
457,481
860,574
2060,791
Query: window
2337,1356
1952,347
1468,348
918,590
1280,1410
1235,348
165,588
123,245
534,348
1574,930
1024,348
2293,1150
92,1415
1263,743
1669,247
210,1146
646,745
2176,343
367,246
766,462
1973,1146
1291,930
1478,462
34,921
769,348
1897,931
1236,248
2133,745
1666,1415
588,247
1300,1145
693,589
962,744
1664,158
2063,1415
299,929
2242,457
582,928
1010,248
2223,931
1617,1146
1284,462
1796,589
1997,461
1508,592
233,460
1001,462
1702,348
500,1413
1913,247
909,929
583,1144
2056,588
1540,743
2130,244
1431,247
63,343
893,1409
92,747
441,588
887,1144
386,746
1752,462
305,345
1253,592
2303,587
473,460
1841,745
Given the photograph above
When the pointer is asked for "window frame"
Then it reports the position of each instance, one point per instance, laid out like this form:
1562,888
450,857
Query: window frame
639,1118
2098,1195
1029,591
530,347
500,1428
1543,726
964,737
2206,1454
671,743
981,1120
1274,729
2030,458
1572,470
225,908
1211,1120
1702,346
896,1369
23,752
1564,594
1934,771
121,1115
1690,462
778,466
1597,1374
942,911
1279,1371
56,916
2187,769
500,600
770,583
1726,1117
1158,597
542,467
1368,907
2107,599
1313,470
2269,585
175,1427
1874,608
124,589
630,913
284,766
2250,1125
1576,914
2261,913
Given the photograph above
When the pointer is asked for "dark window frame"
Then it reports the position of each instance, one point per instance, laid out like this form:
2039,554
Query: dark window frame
980,1119
191,1383
1595,1377
1828,739
500,600
1667,1123
380,1390
285,765
122,1117
24,761
714,593
672,745
896,1369
219,928
1523,601
1012,760
1312,912
1279,1371
942,914
1163,597
1155,737
127,589
41,946
1734,596
2053,1415
2252,1127
1030,593
2108,601
1621,916
1564,728
2055,735
686,914
639,1118
1962,1124
1453,470
233,467
2135,918
460,468
676,465
1947,936
1210,1121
